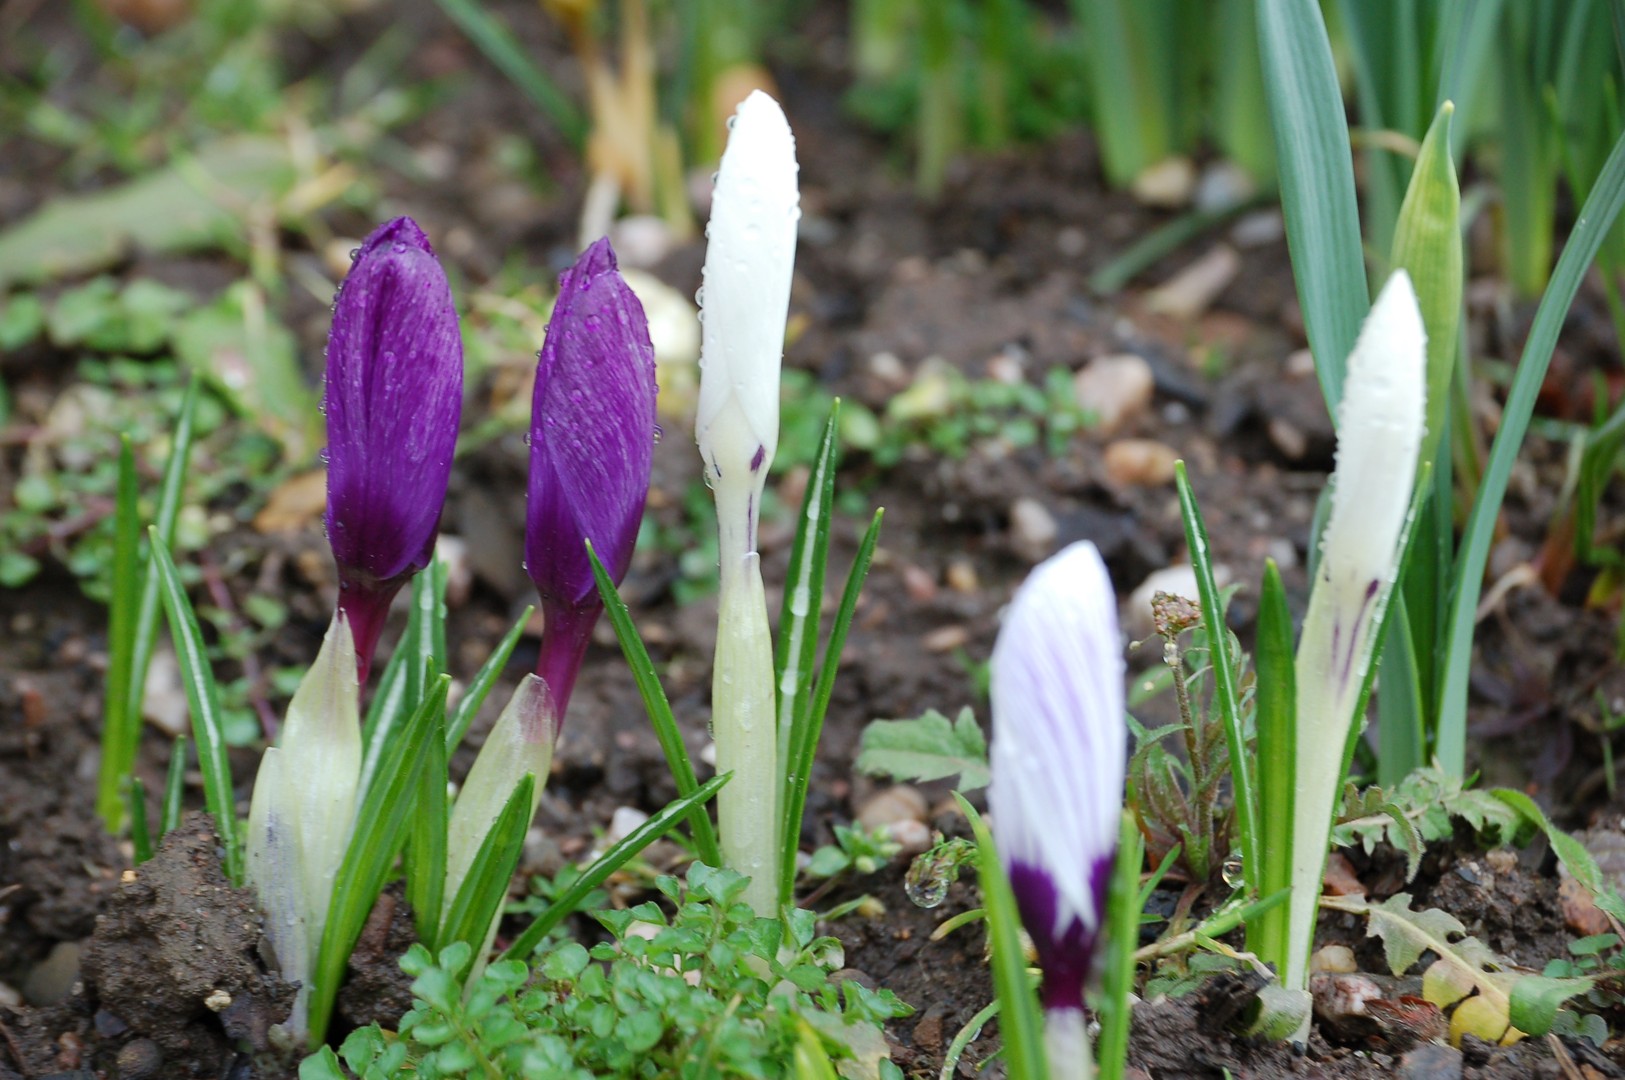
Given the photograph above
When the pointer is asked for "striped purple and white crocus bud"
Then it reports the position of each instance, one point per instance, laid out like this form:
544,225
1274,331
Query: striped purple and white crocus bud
592,436
1057,760
394,400
749,256
1379,436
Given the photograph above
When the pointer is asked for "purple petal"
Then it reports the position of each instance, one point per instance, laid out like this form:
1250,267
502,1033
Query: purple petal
591,442
394,399
1059,738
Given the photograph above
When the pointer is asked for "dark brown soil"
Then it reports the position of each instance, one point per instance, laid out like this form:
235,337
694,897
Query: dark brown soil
994,274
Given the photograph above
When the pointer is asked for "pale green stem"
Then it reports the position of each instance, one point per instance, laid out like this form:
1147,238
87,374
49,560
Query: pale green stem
742,704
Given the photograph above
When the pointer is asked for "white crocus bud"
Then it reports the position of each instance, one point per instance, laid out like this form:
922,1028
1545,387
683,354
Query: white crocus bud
303,809
750,251
1379,435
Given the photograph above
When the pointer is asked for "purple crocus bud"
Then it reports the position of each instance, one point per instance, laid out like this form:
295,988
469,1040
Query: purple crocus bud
1057,762
394,400
592,434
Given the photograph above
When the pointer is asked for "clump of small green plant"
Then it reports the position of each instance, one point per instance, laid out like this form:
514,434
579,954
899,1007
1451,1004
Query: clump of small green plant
708,990
1176,798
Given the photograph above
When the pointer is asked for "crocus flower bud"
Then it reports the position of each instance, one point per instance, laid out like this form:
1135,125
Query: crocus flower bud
1379,436
750,251
592,434
394,400
1058,762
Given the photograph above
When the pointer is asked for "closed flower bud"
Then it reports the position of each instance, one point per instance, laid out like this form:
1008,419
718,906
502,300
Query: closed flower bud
1057,762
394,399
592,434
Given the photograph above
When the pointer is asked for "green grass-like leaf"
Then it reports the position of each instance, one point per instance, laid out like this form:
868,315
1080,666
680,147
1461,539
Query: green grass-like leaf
611,861
380,827
1590,228
660,715
174,786
480,896
500,47
1123,908
1276,719
121,725
1225,696
1316,170
484,679
809,725
1020,1022
140,835
203,701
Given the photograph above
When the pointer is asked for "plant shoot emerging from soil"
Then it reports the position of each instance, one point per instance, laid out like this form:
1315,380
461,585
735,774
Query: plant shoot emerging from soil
748,262
1057,776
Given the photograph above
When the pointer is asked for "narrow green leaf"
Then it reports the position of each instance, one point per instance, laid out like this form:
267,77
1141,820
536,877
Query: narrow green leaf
505,52
1400,735
426,844
611,861
1316,170
1020,1023
1427,245
1596,218
800,615
661,717
140,837
809,724
380,827
170,491
485,887
1225,696
121,725
467,708
203,701
1123,909
1276,704
174,785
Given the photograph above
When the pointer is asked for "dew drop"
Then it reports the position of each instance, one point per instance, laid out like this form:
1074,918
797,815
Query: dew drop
355,253
731,121
398,247
660,433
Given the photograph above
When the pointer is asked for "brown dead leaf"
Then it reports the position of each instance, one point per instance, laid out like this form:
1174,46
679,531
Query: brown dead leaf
295,503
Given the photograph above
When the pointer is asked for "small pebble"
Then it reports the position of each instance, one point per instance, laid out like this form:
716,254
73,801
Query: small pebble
140,1060
1168,185
1288,438
641,240
946,639
50,980
1115,389
1431,1061
962,576
1032,529
912,837
1333,960
1139,463
1258,228
1300,364
900,802
1222,185
919,584
1194,289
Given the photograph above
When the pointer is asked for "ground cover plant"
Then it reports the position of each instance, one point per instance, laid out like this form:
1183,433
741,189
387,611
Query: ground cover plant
1092,300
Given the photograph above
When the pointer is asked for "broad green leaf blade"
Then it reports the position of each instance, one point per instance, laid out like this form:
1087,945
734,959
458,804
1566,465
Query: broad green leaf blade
174,785
800,614
661,717
1276,703
809,724
1316,170
928,747
484,679
485,887
1021,1024
1536,999
611,861
1225,696
121,726
203,701
380,828
1596,218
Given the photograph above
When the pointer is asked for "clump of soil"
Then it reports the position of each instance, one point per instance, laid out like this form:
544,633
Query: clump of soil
171,983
